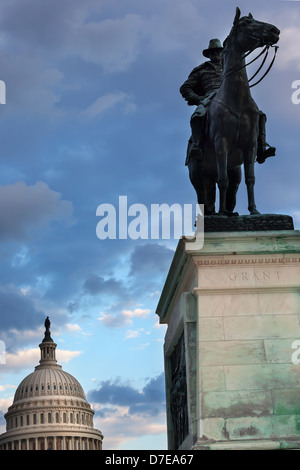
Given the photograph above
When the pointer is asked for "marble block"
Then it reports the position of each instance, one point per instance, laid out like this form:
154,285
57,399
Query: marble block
233,304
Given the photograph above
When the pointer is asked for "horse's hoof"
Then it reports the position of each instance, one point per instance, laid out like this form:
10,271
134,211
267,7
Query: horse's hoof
254,212
233,214
209,213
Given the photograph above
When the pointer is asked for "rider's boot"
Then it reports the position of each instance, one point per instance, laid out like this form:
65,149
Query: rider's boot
262,151
196,126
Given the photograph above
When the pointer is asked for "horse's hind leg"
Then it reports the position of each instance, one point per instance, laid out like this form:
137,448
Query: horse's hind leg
204,185
209,181
250,181
196,178
235,176
221,156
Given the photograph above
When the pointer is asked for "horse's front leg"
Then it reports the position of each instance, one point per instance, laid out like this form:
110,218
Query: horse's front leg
250,182
221,149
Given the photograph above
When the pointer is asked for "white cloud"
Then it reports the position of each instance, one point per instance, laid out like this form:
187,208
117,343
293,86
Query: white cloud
112,43
28,358
5,403
22,359
110,320
66,356
130,334
73,328
124,318
3,388
121,427
136,313
109,101
289,48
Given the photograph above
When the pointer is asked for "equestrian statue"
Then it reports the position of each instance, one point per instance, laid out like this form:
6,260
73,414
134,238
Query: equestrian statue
228,129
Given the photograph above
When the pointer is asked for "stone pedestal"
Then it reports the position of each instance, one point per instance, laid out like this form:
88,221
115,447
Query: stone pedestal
232,346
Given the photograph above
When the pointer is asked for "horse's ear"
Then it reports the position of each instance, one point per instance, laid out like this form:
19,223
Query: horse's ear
237,16
250,15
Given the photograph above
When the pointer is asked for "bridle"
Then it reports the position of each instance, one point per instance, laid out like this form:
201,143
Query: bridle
264,51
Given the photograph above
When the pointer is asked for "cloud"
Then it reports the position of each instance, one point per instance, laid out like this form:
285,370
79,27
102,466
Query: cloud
73,328
174,29
150,259
130,334
95,285
27,358
125,413
35,22
289,45
113,43
149,401
136,313
125,317
32,84
18,310
112,321
5,403
63,355
24,209
6,387
21,359
104,103
120,428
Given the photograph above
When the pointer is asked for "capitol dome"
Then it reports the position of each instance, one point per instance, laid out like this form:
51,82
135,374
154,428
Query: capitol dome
50,410
58,382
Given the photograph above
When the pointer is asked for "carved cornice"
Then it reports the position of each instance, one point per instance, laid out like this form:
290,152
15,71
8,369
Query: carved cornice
248,261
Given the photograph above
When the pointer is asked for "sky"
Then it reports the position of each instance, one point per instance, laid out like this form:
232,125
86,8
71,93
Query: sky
93,112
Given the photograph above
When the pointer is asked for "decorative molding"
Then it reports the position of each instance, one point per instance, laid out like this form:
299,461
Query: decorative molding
247,261
254,289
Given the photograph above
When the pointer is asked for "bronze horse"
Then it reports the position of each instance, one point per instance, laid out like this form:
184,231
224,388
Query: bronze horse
232,122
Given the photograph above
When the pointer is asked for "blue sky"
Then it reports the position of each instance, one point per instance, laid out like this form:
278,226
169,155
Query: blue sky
92,112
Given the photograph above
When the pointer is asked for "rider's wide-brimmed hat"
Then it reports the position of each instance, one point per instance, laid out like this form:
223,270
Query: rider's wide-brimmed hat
214,45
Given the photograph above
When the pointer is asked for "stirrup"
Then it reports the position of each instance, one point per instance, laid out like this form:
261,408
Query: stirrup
263,154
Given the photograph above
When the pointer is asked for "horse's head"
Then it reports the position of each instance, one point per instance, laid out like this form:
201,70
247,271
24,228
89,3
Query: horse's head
251,33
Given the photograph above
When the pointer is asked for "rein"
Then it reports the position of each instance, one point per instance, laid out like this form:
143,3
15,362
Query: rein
268,70
265,50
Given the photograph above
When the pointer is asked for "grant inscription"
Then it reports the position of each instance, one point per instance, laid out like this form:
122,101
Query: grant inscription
254,276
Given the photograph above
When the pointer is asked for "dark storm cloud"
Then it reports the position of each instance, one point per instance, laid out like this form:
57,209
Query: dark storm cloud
149,401
67,28
150,259
44,24
24,208
96,284
17,310
94,111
